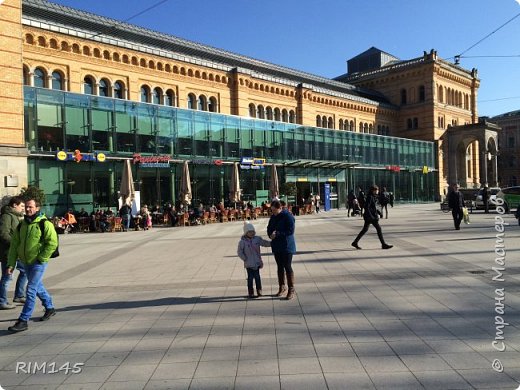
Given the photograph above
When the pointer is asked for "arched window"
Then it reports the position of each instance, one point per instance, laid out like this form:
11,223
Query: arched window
145,94
409,123
341,124
330,123
415,123
292,116
441,94
212,104
119,90
352,127
169,99
269,113
88,85
104,86
202,104
422,93
252,110
39,78
365,128
277,116
260,113
57,81
285,117
192,102
403,96
360,127
157,96
318,121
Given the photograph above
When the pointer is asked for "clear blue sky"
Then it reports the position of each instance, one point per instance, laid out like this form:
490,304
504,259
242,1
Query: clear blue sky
319,36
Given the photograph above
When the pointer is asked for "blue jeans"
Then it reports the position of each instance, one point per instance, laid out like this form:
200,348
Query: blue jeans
253,274
35,289
126,221
6,280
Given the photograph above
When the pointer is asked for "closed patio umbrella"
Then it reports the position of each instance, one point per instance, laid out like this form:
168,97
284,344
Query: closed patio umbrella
234,188
185,190
127,191
274,188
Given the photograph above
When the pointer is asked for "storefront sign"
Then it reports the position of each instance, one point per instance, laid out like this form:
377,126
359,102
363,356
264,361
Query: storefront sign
77,156
393,168
252,163
207,161
152,161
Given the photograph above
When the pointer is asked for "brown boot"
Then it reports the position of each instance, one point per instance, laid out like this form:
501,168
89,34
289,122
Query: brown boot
290,283
259,292
281,284
281,290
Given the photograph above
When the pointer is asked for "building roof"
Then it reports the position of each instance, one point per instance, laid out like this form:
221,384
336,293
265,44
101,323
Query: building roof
506,115
44,14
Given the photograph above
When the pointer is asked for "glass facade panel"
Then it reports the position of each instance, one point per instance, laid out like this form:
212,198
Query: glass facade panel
146,114
126,118
49,111
77,123
185,133
102,124
217,135
201,134
231,137
165,131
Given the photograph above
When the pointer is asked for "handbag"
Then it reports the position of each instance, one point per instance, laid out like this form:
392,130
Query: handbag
465,215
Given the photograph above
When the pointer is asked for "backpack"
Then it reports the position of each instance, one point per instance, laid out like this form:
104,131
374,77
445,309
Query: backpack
56,252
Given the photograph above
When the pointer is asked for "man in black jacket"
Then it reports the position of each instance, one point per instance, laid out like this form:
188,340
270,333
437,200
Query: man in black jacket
371,217
456,204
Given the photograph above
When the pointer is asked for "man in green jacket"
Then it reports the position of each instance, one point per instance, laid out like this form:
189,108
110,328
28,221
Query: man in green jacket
11,215
34,248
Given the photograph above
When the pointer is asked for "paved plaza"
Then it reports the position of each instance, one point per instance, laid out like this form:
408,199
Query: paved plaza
166,309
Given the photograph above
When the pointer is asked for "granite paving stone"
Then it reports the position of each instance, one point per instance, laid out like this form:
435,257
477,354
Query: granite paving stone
418,316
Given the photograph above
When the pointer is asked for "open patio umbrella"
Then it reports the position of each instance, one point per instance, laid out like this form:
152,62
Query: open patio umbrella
127,191
274,188
185,190
234,188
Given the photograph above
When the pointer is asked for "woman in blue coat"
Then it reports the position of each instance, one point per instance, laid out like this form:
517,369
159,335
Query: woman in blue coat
281,231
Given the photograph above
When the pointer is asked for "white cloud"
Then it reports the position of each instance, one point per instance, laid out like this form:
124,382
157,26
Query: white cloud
518,1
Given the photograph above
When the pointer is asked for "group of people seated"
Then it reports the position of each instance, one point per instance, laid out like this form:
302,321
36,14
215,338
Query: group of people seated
101,220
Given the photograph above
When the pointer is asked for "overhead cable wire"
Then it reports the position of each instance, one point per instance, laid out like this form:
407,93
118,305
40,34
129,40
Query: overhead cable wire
458,56
128,19
496,100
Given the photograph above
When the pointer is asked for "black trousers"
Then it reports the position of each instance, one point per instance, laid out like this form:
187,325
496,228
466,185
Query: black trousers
367,224
283,262
457,216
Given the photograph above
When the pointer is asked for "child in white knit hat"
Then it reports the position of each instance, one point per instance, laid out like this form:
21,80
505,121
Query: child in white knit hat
249,251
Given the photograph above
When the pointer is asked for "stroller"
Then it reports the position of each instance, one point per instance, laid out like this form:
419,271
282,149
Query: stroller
356,210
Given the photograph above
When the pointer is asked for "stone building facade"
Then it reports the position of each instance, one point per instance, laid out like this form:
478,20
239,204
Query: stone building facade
509,146
45,45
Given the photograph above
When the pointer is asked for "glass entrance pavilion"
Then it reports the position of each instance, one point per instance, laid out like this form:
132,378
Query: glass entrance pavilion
83,126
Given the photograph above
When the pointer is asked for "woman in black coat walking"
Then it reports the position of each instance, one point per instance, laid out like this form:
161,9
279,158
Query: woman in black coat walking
371,217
